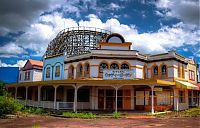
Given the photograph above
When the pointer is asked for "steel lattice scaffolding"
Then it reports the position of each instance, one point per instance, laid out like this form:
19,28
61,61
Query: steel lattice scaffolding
76,41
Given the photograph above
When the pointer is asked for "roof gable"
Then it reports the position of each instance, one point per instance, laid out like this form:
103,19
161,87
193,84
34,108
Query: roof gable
30,64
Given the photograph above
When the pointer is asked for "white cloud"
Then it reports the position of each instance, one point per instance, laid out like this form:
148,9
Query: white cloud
114,6
186,10
11,48
20,63
161,41
40,34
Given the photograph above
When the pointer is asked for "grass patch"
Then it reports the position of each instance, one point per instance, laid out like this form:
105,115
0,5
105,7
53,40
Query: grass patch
33,110
83,115
116,114
193,112
36,125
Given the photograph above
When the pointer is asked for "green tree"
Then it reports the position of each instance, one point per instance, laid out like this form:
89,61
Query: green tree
3,91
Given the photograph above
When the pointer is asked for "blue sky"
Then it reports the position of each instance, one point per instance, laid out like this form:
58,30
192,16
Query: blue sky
153,26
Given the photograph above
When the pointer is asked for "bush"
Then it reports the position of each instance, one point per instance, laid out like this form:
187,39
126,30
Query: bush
9,105
33,110
88,115
192,112
116,114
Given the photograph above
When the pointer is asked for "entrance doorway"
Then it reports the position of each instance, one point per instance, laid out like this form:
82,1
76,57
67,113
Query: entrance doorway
106,99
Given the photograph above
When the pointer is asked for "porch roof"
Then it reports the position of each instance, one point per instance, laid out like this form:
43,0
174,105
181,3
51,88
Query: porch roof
94,82
186,85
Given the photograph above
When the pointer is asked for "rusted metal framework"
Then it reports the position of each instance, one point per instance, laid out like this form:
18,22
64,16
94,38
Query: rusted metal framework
76,41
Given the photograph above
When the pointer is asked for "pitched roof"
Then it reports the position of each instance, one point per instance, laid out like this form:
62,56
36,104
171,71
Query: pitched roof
36,62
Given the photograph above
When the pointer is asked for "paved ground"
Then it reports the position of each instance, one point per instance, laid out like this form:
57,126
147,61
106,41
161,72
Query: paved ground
56,122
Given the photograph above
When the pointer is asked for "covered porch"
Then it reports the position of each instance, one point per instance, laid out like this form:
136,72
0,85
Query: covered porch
95,94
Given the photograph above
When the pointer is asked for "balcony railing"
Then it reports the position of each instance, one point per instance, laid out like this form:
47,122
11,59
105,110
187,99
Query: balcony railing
50,104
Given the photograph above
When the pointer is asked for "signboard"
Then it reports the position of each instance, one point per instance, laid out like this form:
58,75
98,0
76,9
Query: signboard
158,89
118,74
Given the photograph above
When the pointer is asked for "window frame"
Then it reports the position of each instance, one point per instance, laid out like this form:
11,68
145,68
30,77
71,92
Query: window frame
57,71
182,96
48,72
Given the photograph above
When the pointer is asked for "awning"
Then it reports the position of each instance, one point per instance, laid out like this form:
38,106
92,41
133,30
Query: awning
96,82
185,85
198,85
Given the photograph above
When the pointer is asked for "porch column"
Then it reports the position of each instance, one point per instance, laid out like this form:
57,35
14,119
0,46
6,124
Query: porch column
55,94
75,98
16,92
39,93
26,96
152,100
116,89
176,102
192,95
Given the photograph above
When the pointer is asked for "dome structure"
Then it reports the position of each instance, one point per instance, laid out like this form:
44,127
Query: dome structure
76,41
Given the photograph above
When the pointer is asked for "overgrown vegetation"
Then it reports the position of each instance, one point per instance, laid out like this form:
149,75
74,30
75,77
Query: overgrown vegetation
193,112
3,91
84,115
116,114
33,110
9,105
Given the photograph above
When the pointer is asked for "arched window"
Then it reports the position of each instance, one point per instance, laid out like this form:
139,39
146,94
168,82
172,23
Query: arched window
86,70
79,70
102,67
155,71
71,72
114,66
124,66
57,72
164,70
48,72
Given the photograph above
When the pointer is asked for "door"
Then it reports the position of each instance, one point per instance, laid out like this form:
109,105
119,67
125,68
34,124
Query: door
101,99
127,99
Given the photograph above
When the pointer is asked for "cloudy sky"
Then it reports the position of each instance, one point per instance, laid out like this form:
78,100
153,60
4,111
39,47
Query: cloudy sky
153,26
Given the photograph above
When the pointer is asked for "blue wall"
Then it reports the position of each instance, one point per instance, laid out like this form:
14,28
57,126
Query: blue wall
52,63
9,74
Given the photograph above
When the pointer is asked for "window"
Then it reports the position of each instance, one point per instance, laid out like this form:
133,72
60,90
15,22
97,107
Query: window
164,70
27,75
57,71
48,72
191,75
86,70
183,72
124,66
102,67
181,96
155,71
114,66
71,72
179,70
79,70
